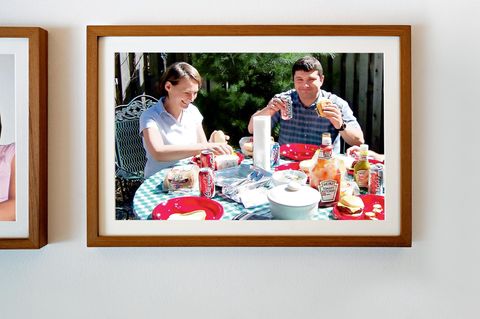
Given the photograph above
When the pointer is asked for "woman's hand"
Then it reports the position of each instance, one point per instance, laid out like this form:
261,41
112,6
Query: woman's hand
219,148
354,151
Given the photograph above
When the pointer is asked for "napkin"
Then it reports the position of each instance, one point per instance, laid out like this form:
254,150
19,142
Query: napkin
254,197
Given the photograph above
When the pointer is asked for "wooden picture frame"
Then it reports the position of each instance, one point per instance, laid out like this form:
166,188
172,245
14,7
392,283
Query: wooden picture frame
28,47
99,112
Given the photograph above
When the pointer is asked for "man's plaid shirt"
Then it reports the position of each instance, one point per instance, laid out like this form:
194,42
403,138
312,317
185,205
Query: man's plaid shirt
306,126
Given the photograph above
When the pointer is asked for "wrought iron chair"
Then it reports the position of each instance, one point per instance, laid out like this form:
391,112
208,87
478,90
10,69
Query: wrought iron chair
129,153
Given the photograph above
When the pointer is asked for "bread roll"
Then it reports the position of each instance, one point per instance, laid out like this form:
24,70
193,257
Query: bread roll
321,105
218,137
248,146
195,215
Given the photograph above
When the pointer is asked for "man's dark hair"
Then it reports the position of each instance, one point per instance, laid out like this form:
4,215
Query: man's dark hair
307,64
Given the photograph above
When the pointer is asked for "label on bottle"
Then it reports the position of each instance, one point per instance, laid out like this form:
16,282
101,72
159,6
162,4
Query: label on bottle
328,190
325,153
361,177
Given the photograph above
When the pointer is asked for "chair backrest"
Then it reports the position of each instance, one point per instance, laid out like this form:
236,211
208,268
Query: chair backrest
129,151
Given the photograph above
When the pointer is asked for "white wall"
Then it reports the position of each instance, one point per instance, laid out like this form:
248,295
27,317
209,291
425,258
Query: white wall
7,98
437,278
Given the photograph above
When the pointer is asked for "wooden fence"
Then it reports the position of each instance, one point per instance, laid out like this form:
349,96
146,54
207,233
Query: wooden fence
356,77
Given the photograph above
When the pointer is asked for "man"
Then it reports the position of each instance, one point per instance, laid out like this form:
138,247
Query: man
306,126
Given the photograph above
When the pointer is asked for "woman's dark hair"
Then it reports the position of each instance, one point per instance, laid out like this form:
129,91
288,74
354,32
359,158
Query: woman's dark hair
307,64
0,125
176,72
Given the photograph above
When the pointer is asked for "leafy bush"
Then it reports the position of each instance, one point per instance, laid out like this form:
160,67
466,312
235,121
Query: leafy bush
237,85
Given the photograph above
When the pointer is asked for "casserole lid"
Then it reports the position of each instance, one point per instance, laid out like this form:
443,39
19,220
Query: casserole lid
293,194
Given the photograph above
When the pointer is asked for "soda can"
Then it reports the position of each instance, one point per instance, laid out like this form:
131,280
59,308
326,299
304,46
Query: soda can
274,154
206,159
206,181
375,183
287,99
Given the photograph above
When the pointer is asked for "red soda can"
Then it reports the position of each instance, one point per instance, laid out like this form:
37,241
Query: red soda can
375,183
206,159
287,99
206,181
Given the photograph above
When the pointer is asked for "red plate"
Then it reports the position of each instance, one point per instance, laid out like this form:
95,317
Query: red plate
368,201
196,158
180,205
298,152
293,165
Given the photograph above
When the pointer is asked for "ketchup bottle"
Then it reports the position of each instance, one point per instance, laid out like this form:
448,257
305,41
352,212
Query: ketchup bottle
326,174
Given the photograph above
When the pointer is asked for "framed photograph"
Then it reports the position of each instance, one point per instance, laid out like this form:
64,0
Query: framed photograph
245,135
23,137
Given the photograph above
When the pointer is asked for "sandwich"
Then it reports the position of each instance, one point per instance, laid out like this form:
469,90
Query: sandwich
351,205
181,177
195,215
321,105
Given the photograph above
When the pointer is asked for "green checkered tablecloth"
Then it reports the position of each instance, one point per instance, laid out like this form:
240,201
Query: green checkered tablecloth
151,193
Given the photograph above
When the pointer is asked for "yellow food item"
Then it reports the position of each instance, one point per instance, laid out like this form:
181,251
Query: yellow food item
248,146
218,137
377,208
321,105
370,214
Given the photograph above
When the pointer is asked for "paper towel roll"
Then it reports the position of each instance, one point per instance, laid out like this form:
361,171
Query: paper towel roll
261,141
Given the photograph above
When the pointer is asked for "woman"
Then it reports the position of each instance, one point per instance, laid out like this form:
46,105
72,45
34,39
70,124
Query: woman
7,181
172,128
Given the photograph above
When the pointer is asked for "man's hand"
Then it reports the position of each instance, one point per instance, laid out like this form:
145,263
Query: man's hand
334,115
276,104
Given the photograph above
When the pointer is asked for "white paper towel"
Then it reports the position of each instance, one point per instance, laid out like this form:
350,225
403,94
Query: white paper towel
261,141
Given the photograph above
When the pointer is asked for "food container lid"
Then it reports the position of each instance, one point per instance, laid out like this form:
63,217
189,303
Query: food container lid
294,194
